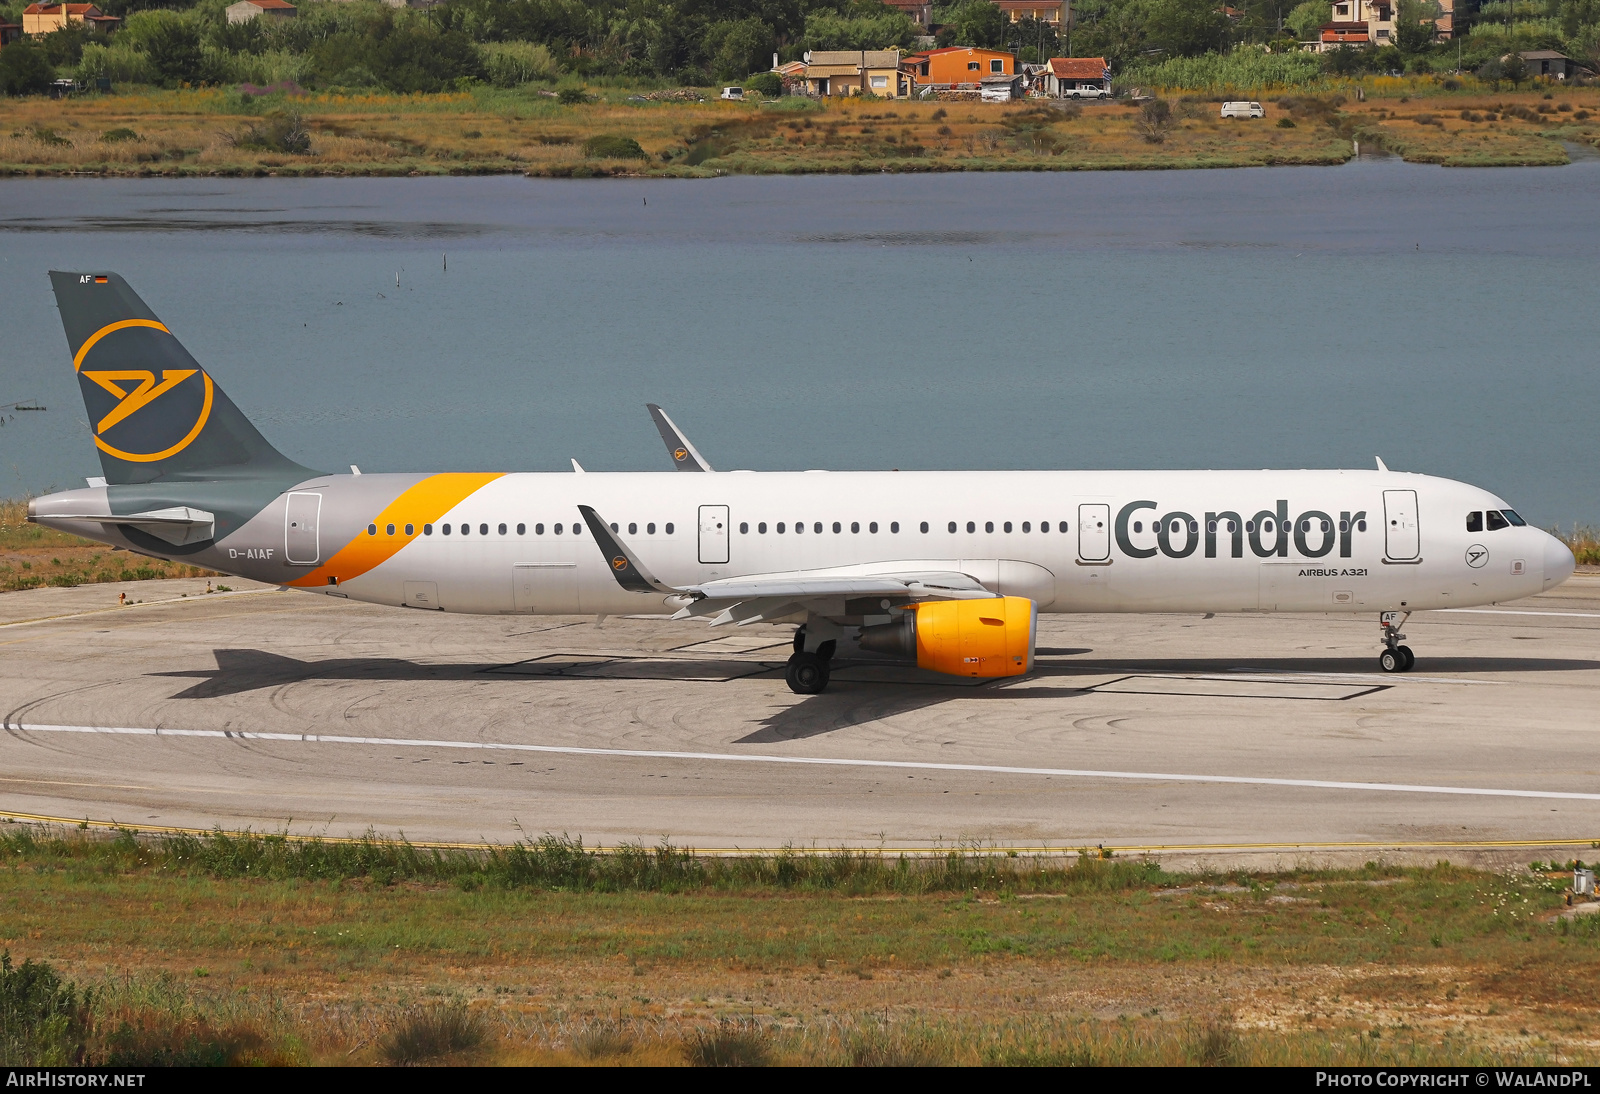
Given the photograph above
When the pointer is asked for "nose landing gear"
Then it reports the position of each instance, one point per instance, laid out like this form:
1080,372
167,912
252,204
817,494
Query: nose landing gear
1395,657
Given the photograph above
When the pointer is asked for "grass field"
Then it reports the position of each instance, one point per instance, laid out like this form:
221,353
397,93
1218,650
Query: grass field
218,132
32,555
250,949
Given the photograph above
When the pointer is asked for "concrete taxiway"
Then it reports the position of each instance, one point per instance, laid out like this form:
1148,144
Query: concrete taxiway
271,710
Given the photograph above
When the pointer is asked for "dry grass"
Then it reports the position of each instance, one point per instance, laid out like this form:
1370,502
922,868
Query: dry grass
1381,965
32,556
193,132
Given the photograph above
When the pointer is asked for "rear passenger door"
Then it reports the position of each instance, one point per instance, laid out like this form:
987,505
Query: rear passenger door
1094,533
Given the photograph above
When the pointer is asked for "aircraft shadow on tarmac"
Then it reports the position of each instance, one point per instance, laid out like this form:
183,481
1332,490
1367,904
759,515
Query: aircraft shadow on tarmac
862,691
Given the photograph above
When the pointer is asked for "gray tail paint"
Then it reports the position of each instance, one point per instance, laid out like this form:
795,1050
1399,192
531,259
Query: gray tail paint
156,415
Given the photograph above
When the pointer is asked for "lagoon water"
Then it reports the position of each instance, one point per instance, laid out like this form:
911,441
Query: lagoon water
1444,319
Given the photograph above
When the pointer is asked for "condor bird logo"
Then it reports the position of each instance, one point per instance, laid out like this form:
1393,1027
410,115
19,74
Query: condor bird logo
145,413
680,454
619,563
1477,555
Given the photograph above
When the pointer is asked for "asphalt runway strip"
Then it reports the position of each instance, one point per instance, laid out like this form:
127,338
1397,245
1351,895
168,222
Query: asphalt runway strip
817,761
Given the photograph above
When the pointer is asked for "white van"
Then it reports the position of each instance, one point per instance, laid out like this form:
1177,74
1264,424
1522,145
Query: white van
1243,110
733,93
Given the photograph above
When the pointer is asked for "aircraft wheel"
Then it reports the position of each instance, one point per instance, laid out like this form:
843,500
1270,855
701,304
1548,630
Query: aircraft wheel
806,674
1411,658
1388,661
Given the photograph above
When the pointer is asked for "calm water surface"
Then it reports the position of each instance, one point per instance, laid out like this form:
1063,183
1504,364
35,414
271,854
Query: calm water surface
1445,320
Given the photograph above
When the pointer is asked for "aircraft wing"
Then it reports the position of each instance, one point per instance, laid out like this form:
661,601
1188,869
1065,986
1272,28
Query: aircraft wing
178,525
685,457
757,597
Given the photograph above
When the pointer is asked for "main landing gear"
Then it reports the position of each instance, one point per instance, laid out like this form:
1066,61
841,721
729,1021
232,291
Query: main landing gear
807,671
1395,657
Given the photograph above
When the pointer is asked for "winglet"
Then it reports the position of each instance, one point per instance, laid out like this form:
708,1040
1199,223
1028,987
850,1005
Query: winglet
1381,465
685,457
624,567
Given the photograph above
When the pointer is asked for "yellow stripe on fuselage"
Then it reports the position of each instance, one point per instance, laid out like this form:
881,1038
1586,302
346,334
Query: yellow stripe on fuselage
424,503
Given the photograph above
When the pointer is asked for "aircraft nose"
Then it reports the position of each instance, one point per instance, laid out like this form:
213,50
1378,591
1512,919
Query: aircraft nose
1558,562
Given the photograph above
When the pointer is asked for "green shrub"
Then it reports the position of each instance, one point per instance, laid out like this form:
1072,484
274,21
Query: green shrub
609,146
24,69
116,136
769,84
1285,123
730,1044
433,1033
511,64
572,96
44,1021
120,63
278,133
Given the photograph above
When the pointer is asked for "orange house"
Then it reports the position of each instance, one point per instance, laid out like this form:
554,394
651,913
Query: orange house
960,65
46,18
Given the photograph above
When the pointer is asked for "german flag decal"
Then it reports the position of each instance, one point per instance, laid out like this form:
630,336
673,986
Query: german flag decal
101,279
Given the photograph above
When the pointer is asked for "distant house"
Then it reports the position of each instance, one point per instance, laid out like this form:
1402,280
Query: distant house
1055,12
246,10
954,66
1351,19
49,18
1549,65
1075,78
9,32
920,11
834,72
1000,89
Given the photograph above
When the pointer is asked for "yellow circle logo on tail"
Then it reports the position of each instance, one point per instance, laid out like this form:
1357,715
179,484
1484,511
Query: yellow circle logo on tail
680,455
619,563
153,436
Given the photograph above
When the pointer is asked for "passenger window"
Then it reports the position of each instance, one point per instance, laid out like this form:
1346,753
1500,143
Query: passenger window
1027,526
669,528
894,527
466,529
649,529
873,527
445,529
1511,515
1474,522
855,527
502,529
924,527
1344,526
744,528
427,529
633,528
1044,526
780,527
1233,526
519,528
1497,521
1062,526
1006,527
411,530
483,529
836,528
577,529
390,530
522,529
1326,527
556,529
952,527
372,529
988,526
762,528
538,529
799,527
1361,525
1138,526
1249,526
817,528
1266,526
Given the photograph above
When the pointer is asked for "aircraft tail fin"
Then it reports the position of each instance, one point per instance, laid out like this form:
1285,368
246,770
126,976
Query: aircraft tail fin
156,415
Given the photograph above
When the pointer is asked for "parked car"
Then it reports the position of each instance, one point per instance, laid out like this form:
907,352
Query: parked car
1086,93
733,93
1243,110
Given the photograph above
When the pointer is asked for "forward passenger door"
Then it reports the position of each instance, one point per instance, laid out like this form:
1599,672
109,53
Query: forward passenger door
1094,533
1401,537
714,534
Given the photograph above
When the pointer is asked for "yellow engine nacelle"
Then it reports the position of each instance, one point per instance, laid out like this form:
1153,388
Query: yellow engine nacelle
989,637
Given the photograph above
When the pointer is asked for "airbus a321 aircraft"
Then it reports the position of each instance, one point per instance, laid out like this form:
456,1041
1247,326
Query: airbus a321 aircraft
949,568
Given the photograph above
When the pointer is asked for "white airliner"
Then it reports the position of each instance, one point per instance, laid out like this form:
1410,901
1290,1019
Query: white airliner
949,569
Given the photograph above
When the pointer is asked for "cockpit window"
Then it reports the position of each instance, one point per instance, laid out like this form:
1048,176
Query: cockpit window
1474,522
1496,521
1511,515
